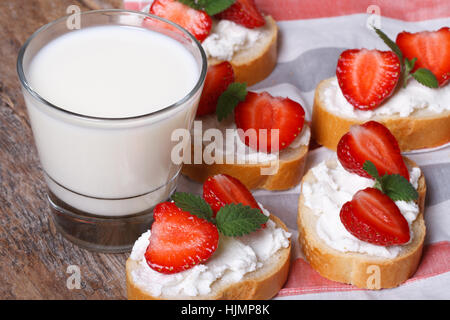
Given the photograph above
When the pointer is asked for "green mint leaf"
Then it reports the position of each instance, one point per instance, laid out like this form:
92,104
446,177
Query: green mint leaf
235,220
391,44
235,93
191,3
213,7
408,66
193,204
398,188
426,77
370,168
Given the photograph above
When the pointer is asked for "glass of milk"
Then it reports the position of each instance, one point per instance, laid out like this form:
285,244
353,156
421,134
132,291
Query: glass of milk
103,98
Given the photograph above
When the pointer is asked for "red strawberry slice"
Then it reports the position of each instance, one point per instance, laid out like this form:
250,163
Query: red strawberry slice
367,77
373,217
218,78
432,50
197,22
262,112
374,142
223,189
179,240
244,12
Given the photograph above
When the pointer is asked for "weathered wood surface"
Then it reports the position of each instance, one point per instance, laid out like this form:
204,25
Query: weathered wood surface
33,256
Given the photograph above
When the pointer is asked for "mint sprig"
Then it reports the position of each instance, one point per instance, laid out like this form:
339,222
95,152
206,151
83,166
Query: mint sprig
393,185
211,7
422,75
232,220
228,100
193,204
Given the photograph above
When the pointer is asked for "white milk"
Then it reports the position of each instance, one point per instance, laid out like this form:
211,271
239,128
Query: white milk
110,72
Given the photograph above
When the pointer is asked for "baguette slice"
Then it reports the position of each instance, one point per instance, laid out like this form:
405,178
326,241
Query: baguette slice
256,63
417,131
353,268
291,165
261,284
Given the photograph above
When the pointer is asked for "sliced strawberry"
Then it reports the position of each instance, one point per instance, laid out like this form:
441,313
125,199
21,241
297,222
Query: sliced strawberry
432,50
197,22
244,12
218,78
179,240
367,77
373,217
262,112
223,189
374,142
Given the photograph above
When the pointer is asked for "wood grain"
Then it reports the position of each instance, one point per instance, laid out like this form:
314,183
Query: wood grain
33,256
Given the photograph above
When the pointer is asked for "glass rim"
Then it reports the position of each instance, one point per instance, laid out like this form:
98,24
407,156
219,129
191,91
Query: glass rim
36,95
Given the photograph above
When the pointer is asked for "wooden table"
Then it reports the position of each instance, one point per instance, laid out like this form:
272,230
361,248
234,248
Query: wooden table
34,257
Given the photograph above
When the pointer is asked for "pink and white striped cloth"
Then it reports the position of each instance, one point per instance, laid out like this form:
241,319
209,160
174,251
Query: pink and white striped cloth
312,35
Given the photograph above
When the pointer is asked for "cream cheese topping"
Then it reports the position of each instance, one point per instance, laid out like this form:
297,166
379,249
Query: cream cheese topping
227,38
333,188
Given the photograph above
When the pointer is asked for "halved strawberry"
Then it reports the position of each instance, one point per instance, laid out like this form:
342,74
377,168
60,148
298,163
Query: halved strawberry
432,50
373,217
371,141
262,112
218,78
367,77
179,240
244,12
197,22
223,189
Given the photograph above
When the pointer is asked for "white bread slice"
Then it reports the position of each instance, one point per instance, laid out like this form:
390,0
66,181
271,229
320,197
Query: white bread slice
256,63
416,131
352,268
291,165
261,284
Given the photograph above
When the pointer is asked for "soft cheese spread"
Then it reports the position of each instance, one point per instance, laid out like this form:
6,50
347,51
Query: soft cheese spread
232,145
405,101
334,187
232,260
227,38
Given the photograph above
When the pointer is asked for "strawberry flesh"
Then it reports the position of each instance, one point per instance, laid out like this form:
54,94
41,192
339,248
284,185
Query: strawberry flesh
223,189
264,113
372,216
197,22
179,240
367,77
374,142
432,50
218,78
244,12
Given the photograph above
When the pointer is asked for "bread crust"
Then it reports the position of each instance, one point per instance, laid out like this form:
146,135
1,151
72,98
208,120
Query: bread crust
412,132
357,268
261,287
290,171
259,65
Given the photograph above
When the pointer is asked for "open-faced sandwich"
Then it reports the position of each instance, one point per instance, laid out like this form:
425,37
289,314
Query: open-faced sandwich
360,214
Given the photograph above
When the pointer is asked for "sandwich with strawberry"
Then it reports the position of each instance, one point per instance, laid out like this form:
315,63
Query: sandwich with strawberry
221,245
405,88
229,30
360,214
260,139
